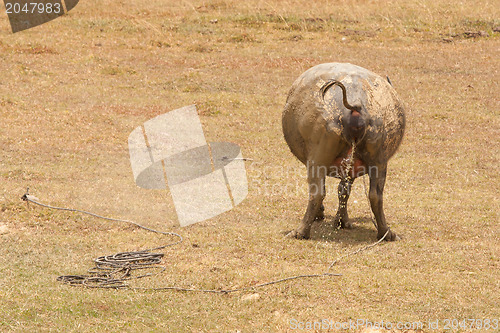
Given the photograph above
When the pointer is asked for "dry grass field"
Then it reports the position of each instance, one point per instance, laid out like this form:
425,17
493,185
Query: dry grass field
72,90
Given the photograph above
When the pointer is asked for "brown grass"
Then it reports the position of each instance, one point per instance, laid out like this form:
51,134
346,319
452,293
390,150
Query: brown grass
73,89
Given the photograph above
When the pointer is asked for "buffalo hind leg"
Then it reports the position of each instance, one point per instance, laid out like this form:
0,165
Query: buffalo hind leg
321,211
377,182
316,196
341,218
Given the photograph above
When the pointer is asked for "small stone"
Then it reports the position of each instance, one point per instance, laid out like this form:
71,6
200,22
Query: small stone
496,29
3,229
250,297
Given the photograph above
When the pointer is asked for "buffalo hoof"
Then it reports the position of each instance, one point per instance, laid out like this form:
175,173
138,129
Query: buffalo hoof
321,214
391,236
296,235
342,221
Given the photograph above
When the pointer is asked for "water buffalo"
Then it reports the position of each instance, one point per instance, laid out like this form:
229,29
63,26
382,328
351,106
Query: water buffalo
343,121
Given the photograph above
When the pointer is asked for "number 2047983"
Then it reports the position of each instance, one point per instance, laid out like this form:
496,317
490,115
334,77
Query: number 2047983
473,324
33,8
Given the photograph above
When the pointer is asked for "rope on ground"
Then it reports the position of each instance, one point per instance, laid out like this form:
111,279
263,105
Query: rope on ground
113,271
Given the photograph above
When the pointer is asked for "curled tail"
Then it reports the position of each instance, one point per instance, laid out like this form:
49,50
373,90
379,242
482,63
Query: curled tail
355,125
